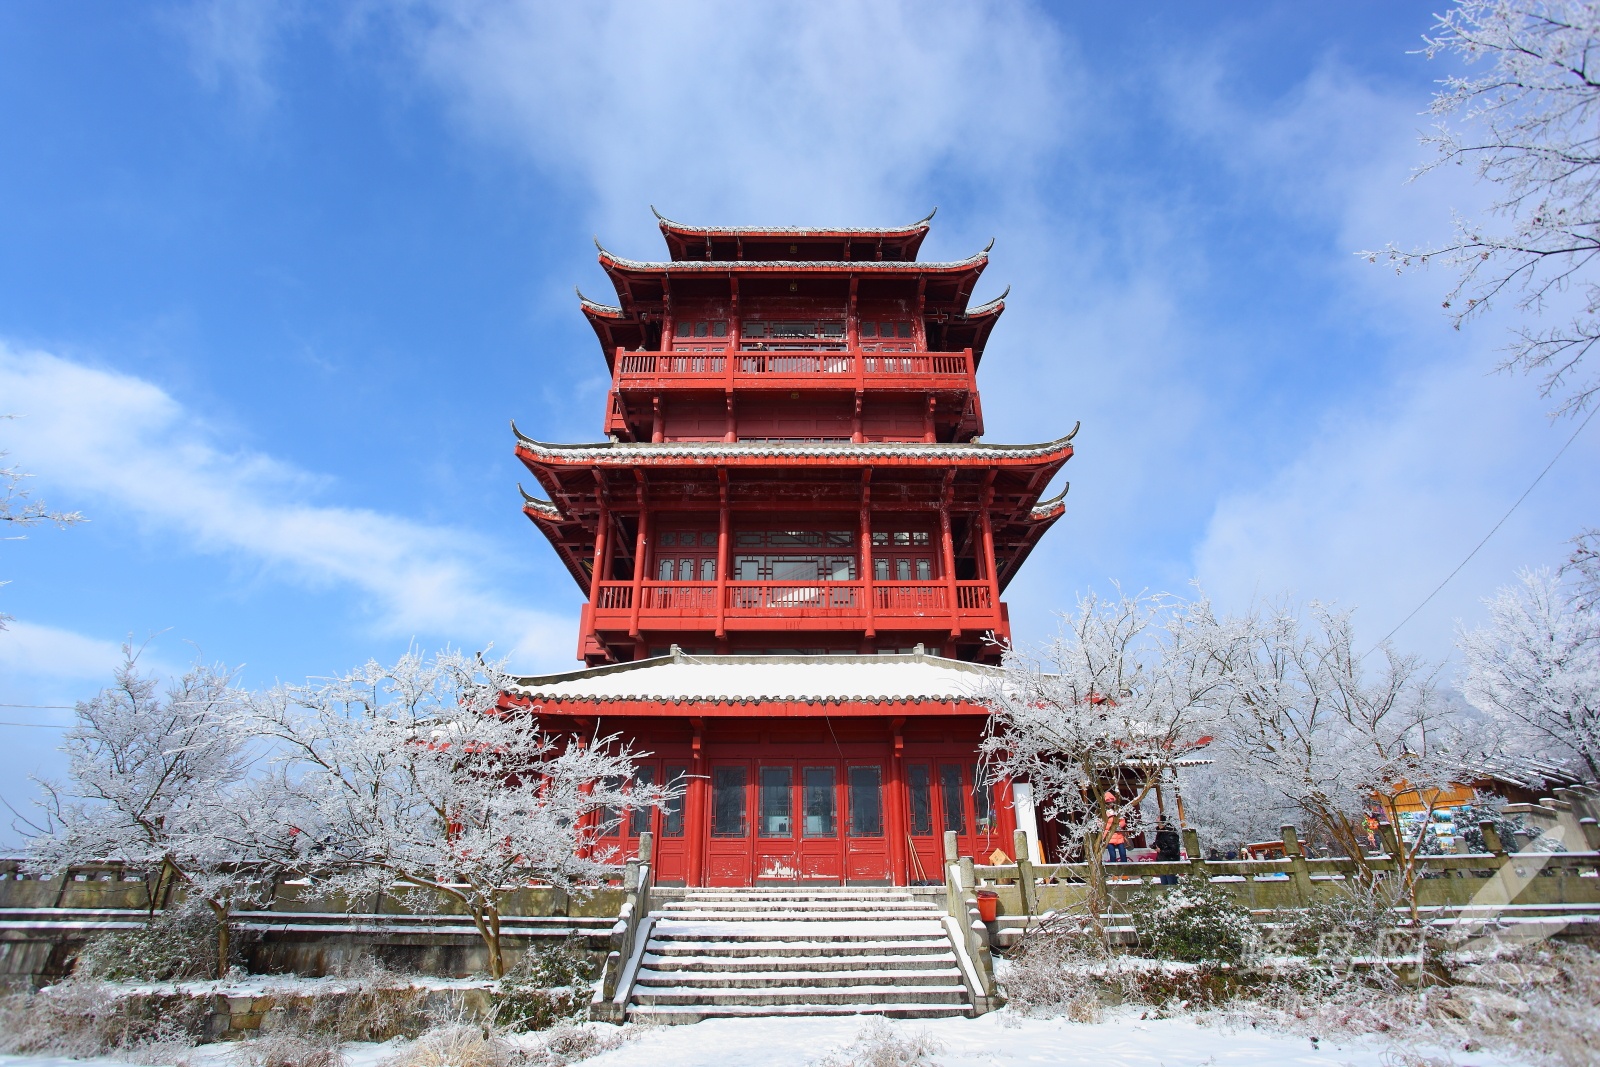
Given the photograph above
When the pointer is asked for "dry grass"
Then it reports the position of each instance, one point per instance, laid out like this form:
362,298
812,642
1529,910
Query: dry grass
81,1019
882,1044
573,1043
459,1045
470,1044
291,1046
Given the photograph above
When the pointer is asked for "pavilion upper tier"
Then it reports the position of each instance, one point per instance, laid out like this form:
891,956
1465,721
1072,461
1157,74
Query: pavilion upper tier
685,242
587,482
821,287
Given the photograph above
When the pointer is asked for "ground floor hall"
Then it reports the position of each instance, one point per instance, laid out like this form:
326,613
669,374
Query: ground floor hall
817,800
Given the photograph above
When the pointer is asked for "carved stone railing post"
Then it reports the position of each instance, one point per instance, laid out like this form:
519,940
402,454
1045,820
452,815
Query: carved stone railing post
1297,864
1025,883
1191,845
637,880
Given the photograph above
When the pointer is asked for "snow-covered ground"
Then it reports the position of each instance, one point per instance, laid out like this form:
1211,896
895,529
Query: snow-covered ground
996,1040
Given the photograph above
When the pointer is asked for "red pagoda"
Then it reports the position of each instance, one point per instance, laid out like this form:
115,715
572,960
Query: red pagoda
793,543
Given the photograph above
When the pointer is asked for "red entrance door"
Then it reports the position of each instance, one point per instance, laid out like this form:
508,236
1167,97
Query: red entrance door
944,795
807,822
621,830
866,840
729,858
775,822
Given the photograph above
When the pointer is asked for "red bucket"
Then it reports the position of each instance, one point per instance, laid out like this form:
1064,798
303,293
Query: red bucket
988,904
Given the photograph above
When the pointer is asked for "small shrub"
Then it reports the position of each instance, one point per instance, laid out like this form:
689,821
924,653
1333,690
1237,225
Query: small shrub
568,1043
176,944
1057,970
291,1046
79,1018
459,1045
1193,922
881,1044
550,983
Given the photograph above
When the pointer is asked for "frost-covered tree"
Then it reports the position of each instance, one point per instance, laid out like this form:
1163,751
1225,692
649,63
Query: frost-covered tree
1127,686
1308,722
18,509
159,781
1536,669
1525,118
1229,808
1583,570
415,773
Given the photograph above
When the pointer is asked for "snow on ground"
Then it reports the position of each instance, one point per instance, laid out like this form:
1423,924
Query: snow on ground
996,1040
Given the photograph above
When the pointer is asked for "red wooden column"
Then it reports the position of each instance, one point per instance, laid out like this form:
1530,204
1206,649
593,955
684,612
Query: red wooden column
948,548
602,550
735,331
898,807
986,524
641,542
696,827
868,589
724,523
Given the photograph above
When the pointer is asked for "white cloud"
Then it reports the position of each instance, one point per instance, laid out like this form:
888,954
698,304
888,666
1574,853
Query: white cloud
1387,499
1386,488
29,650
827,111
232,44
123,441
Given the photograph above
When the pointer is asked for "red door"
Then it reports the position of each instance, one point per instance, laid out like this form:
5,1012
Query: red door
821,841
620,830
728,852
967,806
777,840
671,850
925,863
866,840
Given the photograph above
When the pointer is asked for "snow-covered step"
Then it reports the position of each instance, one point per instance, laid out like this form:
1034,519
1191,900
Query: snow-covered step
936,958
667,1013
866,997
719,953
760,946
816,978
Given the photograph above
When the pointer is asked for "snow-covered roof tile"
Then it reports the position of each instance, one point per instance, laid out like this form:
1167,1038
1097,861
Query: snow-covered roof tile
796,231
681,676
644,451
543,508
724,266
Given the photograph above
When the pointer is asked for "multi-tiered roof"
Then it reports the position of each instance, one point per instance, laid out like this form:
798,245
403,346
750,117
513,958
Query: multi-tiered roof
794,402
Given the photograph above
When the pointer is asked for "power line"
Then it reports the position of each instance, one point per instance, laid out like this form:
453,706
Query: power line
40,725
1531,486
49,707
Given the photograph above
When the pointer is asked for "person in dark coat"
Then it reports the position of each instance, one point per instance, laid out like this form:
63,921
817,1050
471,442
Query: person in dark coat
1169,849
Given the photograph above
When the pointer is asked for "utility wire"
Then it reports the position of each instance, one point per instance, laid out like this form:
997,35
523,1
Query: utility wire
40,725
1532,485
51,707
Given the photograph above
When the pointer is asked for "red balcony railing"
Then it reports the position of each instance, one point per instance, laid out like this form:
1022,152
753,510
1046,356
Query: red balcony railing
694,605
939,370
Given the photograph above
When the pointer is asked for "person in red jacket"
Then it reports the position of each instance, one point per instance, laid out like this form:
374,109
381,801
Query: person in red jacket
1115,838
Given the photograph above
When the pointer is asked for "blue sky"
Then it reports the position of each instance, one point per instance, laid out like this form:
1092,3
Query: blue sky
274,278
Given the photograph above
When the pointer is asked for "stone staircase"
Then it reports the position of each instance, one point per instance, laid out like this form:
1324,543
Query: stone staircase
745,952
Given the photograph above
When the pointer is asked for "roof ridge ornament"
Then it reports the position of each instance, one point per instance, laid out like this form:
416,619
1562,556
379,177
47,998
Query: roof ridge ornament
597,305
920,224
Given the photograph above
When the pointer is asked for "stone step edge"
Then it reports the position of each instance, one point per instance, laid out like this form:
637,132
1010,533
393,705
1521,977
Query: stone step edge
674,1013
731,963
892,976
953,996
